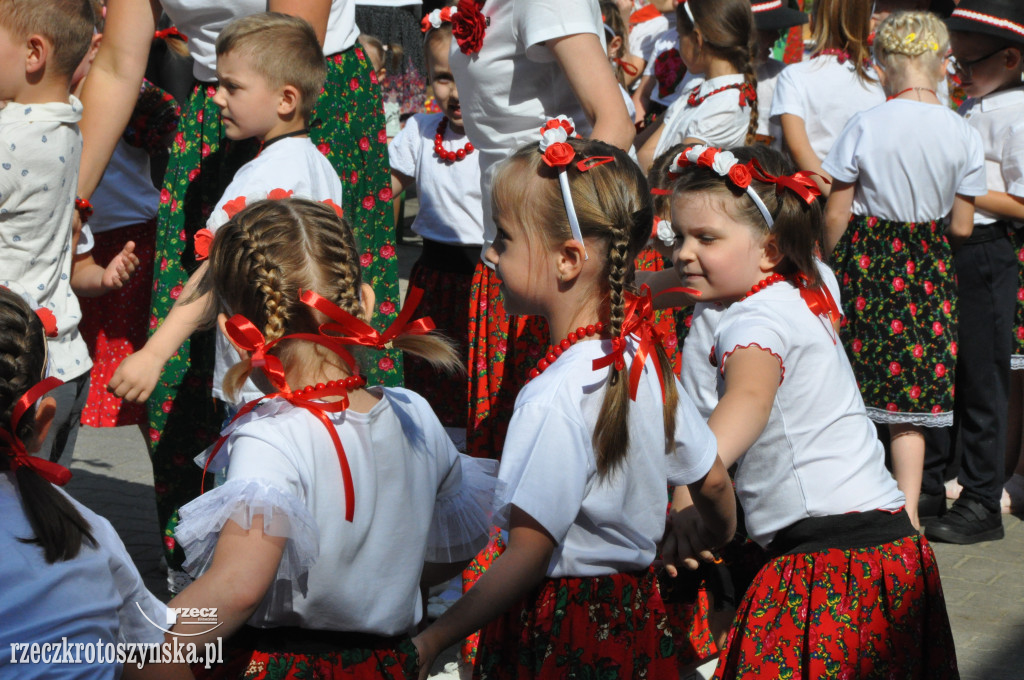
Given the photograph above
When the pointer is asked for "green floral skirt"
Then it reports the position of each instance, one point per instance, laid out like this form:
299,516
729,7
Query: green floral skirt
348,129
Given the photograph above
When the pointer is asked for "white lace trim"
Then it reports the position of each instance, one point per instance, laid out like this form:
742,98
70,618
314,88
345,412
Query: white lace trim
878,415
462,520
240,500
1017,362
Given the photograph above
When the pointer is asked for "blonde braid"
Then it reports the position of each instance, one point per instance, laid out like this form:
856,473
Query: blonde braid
266,277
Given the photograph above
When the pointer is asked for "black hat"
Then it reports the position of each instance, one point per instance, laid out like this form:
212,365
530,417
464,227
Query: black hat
775,15
1000,18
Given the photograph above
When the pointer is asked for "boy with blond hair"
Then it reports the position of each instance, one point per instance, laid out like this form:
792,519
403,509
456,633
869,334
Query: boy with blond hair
270,70
42,42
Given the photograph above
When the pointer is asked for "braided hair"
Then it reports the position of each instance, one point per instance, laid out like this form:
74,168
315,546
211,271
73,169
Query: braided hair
58,527
613,206
727,29
907,40
267,254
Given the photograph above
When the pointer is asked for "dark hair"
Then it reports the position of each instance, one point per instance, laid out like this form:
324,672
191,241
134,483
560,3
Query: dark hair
797,227
727,29
67,24
613,205
57,525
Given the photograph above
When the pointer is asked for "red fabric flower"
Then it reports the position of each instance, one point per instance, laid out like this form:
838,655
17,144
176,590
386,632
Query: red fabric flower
940,370
861,303
468,26
338,210
278,194
555,123
387,251
234,206
895,368
559,155
897,245
915,392
203,240
898,284
353,178
740,175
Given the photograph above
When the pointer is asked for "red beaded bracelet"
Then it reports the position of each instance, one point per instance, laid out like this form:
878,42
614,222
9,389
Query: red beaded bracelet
84,208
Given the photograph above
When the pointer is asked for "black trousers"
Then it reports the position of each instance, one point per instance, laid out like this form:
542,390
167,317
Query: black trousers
986,269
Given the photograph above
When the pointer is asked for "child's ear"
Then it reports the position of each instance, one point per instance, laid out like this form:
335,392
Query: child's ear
222,326
289,102
569,260
771,255
367,299
614,46
37,52
45,412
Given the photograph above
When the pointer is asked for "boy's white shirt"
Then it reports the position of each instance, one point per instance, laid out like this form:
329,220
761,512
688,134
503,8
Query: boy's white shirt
40,151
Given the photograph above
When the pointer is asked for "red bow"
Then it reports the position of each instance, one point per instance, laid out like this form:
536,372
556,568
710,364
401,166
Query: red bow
171,32
819,300
627,68
48,320
203,240
639,322
15,448
800,183
348,330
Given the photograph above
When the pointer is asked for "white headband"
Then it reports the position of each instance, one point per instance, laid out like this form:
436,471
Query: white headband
557,131
726,165
689,12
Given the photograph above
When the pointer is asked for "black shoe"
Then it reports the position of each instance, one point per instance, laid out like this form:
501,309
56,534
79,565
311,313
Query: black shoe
931,505
968,521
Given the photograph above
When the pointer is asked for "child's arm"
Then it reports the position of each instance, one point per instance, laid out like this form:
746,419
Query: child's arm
519,569
642,95
751,381
596,89
316,12
138,374
703,517
961,222
399,182
799,146
88,279
1004,205
837,214
243,569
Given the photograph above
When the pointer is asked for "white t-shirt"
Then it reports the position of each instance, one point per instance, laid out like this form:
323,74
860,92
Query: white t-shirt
387,3
451,209
125,195
97,597
201,21
40,148
416,499
718,121
824,94
697,372
999,118
767,77
908,159
293,164
819,453
602,526
643,36
513,85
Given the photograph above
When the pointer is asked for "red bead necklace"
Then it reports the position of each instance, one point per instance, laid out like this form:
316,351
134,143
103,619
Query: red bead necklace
353,382
556,350
764,283
444,154
747,94
919,90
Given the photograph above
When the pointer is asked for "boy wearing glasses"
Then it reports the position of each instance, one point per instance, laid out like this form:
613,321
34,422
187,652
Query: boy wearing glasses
987,37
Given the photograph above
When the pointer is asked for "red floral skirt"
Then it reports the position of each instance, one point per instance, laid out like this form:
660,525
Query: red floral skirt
691,630
446,277
650,260
875,612
597,627
301,655
115,325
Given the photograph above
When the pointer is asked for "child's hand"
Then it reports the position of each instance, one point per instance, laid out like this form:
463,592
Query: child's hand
136,377
426,656
121,267
685,541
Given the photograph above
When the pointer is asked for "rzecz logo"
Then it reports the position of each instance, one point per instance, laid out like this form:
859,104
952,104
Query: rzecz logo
197,616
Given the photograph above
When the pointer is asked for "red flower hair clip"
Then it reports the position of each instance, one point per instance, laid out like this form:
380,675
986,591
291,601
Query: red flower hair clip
469,25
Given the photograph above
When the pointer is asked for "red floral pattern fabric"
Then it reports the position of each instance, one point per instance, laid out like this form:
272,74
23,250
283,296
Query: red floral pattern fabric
900,306
869,613
598,627
400,663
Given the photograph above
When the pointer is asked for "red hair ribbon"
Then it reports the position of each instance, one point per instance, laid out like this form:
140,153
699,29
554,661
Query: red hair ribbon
661,192
202,241
348,330
639,322
48,320
15,448
171,32
249,338
593,161
819,299
799,183
627,68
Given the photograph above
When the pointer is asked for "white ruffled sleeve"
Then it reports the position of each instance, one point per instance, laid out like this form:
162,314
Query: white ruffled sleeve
240,500
462,511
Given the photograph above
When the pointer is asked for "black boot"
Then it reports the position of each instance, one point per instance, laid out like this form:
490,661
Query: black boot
968,521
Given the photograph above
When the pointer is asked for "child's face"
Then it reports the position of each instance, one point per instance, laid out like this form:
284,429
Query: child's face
715,254
519,259
248,104
12,64
445,90
984,70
